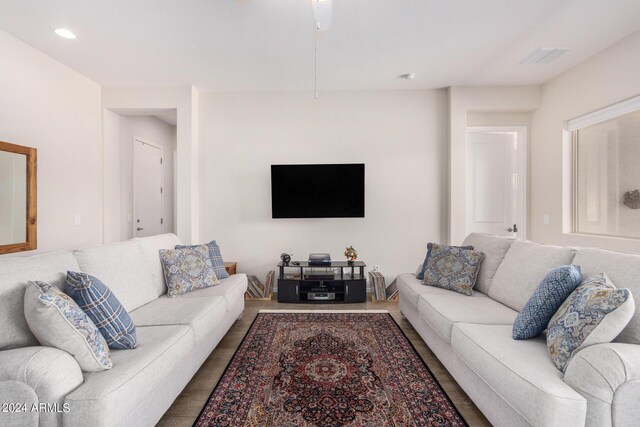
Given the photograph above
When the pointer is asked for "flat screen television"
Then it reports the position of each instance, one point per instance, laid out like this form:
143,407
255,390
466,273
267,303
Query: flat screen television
317,191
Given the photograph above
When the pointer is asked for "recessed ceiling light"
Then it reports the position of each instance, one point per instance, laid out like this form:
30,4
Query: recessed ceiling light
408,76
65,33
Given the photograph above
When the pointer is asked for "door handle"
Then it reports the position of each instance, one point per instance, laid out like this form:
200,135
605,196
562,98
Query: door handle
513,229
139,228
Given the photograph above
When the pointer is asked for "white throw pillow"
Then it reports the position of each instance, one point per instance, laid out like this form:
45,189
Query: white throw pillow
57,321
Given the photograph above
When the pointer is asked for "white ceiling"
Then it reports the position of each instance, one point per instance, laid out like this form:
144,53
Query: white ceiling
260,45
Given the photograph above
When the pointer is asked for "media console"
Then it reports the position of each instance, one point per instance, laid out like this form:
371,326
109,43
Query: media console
338,282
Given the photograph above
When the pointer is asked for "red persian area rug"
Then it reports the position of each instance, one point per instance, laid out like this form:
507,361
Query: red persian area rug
327,369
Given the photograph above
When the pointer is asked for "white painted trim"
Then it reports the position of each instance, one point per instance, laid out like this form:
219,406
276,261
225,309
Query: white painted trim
133,178
523,172
603,114
323,311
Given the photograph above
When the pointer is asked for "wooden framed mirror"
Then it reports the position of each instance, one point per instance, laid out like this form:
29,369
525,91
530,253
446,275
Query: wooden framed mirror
18,198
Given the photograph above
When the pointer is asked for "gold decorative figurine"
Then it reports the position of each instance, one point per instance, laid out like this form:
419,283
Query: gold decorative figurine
351,254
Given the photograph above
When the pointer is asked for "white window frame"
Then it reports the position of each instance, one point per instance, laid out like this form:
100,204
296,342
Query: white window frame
611,112
572,126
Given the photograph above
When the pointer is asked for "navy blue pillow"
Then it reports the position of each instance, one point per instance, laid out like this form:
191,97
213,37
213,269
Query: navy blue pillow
103,308
215,256
420,275
556,287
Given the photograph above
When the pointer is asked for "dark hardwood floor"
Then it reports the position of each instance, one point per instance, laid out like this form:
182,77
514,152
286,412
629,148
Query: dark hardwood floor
187,406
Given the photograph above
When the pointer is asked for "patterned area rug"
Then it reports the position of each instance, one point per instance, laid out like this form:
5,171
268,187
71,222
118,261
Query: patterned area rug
326,370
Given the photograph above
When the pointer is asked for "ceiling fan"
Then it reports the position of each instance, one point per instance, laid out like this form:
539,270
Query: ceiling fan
322,14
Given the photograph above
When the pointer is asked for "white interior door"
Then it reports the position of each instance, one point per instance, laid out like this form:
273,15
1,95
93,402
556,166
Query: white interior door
147,189
496,199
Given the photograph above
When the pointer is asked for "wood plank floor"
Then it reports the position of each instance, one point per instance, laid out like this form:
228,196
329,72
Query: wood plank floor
187,406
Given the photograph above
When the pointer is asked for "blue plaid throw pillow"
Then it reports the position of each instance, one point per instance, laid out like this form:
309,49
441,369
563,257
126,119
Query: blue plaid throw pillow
103,308
214,255
554,289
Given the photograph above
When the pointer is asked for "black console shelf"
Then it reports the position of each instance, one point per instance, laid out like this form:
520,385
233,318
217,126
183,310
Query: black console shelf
338,282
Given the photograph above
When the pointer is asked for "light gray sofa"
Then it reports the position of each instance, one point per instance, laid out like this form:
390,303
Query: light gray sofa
175,336
515,383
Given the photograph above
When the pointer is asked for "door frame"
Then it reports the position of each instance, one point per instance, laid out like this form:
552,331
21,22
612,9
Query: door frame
521,159
133,148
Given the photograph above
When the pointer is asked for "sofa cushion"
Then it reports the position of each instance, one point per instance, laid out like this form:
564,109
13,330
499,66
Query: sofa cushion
453,268
150,247
554,289
203,315
595,313
523,268
521,372
441,312
57,321
113,398
410,289
230,289
494,249
15,273
624,272
123,267
103,308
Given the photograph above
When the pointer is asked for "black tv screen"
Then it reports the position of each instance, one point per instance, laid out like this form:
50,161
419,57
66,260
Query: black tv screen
317,191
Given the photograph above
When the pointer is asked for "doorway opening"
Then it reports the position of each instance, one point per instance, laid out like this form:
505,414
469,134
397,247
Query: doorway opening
139,173
496,180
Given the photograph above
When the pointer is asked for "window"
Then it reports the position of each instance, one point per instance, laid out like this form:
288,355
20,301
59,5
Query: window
607,171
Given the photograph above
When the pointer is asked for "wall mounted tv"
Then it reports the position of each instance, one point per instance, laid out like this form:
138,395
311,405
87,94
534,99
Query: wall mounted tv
317,191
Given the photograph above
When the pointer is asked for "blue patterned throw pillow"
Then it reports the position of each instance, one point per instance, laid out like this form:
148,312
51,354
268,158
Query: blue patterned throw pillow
552,291
452,268
420,275
595,313
187,269
216,258
103,308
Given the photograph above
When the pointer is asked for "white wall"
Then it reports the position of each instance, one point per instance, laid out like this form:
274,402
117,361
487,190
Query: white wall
120,130
400,136
602,80
481,118
44,104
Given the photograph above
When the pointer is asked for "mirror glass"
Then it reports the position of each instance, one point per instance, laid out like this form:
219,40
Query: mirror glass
13,198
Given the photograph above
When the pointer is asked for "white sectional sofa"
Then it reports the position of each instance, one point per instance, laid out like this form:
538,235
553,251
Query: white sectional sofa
515,383
175,336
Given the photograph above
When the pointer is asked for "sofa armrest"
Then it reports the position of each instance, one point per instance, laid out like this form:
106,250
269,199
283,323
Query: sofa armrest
608,376
17,399
50,373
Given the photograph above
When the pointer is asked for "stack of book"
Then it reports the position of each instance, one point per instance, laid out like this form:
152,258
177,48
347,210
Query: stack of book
380,291
378,286
258,290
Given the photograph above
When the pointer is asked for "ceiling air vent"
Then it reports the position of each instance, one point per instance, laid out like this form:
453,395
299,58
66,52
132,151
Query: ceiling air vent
544,55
